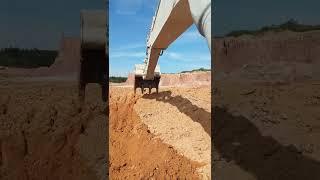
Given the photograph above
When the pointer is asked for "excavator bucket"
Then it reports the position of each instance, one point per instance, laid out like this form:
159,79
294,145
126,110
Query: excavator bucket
140,82
94,59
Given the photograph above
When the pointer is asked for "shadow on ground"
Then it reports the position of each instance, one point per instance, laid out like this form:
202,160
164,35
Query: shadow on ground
185,106
237,139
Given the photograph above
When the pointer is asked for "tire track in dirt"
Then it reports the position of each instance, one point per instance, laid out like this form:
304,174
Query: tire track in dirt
135,153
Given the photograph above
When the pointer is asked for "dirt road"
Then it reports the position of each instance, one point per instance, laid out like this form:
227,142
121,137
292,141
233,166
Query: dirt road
160,136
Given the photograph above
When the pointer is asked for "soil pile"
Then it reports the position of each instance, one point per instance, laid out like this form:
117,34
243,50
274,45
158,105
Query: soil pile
266,131
266,103
67,62
297,52
44,134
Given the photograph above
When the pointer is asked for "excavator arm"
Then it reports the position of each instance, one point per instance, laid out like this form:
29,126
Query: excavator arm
172,18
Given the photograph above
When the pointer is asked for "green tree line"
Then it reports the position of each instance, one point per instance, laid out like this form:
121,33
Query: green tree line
26,58
196,70
290,25
117,79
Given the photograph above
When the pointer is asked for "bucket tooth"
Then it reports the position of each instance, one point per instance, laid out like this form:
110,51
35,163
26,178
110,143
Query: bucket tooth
139,82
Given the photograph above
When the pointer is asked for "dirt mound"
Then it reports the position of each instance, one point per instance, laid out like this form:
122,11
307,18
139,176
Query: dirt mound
134,152
130,80
297,51
266,131
67,62
45,135
182,79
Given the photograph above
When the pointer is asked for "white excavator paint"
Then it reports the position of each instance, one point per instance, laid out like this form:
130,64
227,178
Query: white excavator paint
94,57
171,19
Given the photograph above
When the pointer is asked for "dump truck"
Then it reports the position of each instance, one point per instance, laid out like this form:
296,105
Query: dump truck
94,57
171,19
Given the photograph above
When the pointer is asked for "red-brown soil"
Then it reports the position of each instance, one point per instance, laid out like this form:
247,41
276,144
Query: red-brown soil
135,153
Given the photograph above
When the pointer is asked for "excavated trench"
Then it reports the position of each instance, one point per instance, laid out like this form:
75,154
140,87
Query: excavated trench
134,152
44,135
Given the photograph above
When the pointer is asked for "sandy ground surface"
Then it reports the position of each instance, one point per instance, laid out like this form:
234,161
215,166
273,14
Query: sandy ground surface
160,136
181,117
44,134
265,131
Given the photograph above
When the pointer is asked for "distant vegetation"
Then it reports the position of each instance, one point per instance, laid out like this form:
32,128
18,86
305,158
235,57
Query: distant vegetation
26,58
291,25
117,79
196,70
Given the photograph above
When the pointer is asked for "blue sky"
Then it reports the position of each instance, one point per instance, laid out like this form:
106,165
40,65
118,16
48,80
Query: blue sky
39,23
232,15
129,24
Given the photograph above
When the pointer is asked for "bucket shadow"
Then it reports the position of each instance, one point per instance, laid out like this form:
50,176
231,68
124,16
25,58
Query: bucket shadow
185,106
237,139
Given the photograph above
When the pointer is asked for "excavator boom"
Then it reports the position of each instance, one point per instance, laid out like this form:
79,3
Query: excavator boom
172,18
